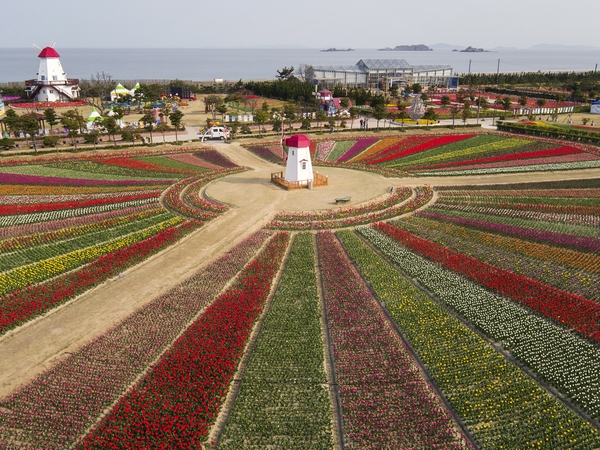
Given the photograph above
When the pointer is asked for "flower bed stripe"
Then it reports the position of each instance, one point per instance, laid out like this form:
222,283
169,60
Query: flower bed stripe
339,148
502,407
566,362
375,148
35,299
283,399
356,148
405,143
133,163
386,402
553,238
57,407
173,405
214,157
436,142
557,151
15,178
575,311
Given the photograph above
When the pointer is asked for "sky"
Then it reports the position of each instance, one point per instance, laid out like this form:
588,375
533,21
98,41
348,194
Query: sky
305,23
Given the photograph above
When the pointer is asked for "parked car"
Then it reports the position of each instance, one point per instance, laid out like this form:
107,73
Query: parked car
216,132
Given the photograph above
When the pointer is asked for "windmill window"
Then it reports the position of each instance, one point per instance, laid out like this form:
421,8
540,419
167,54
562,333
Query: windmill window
303,165
292,152
54,77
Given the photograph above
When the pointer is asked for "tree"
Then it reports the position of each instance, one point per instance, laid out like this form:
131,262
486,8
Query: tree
523,100
148,120
112,127
541,102
289,112
430,114
96,89
321,117
73,122
50,117
162,128
353,115
379,113
286,73
164,114
417,88
221,109
30,126
176,118
454,110
445,100
212,102
306,73
260,118
466,114
506,103
345,102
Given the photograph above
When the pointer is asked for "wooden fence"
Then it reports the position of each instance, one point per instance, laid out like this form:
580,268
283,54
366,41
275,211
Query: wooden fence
319,180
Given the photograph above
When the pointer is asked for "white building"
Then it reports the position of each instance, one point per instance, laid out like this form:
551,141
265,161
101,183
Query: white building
299,165
51,84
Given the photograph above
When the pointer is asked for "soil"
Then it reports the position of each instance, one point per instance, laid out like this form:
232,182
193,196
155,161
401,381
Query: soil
31,349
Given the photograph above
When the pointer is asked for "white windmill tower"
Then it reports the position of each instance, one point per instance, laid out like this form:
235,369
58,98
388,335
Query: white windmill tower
299,166
51,84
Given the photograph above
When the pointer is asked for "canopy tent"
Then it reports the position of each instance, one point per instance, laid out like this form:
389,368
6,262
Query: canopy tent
120,91
595,109
92,118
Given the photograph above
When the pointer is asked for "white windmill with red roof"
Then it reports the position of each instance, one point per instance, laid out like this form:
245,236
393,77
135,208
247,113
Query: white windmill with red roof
51,84
299,165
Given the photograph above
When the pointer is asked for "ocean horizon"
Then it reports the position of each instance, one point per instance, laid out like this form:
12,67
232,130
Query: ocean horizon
206,64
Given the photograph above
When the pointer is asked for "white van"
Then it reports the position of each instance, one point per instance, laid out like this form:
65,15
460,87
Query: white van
217,132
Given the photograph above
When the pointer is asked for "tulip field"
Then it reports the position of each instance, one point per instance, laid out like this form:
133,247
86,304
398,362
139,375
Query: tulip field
431,317
69,223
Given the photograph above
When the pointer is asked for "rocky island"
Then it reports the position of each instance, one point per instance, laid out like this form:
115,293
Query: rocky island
470,49
406,48
333,49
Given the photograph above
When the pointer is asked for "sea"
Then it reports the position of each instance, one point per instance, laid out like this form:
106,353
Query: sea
205,64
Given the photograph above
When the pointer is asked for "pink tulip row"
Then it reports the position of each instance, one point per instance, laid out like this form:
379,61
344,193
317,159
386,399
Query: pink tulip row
55,408
386,401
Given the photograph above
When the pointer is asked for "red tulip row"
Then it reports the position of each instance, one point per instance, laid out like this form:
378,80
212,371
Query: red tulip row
57,407
133,163
575,311
386,402
55,206
174,405
436,142
404,144
25,303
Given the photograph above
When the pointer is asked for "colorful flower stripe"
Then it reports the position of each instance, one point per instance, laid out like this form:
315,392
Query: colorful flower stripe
33,190
32,199
133,163
68,232
518,169
423,195
62,214
323,150
527,162
405,143
566,362
505,145
575,311
96,376
192,160
35,299
174,201
216,158
265,153
580,220
192,195
282,400
14,178
339,148
512,217
42,270
553,238
357,148
561,206
463,194
386,402
436,142
36,253
173,405
557,151
457,238
398,196
40,105
54,206
501,406
377,147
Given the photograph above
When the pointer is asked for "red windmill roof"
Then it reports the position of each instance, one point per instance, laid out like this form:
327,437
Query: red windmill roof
48,52
297,141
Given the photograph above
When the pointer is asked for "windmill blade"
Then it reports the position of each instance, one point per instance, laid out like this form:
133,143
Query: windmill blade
52,45
36,47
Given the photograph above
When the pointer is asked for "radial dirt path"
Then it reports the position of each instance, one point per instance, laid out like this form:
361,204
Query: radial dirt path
35,347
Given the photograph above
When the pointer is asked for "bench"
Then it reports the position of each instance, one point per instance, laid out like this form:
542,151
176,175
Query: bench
342,200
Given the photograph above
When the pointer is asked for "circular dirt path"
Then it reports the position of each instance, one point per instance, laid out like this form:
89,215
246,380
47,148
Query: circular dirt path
35,347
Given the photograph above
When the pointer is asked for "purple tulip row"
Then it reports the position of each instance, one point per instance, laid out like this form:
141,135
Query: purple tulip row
54,409
357,147
551,237
386,401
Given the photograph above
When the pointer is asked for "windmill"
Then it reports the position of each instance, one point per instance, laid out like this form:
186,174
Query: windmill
51,84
